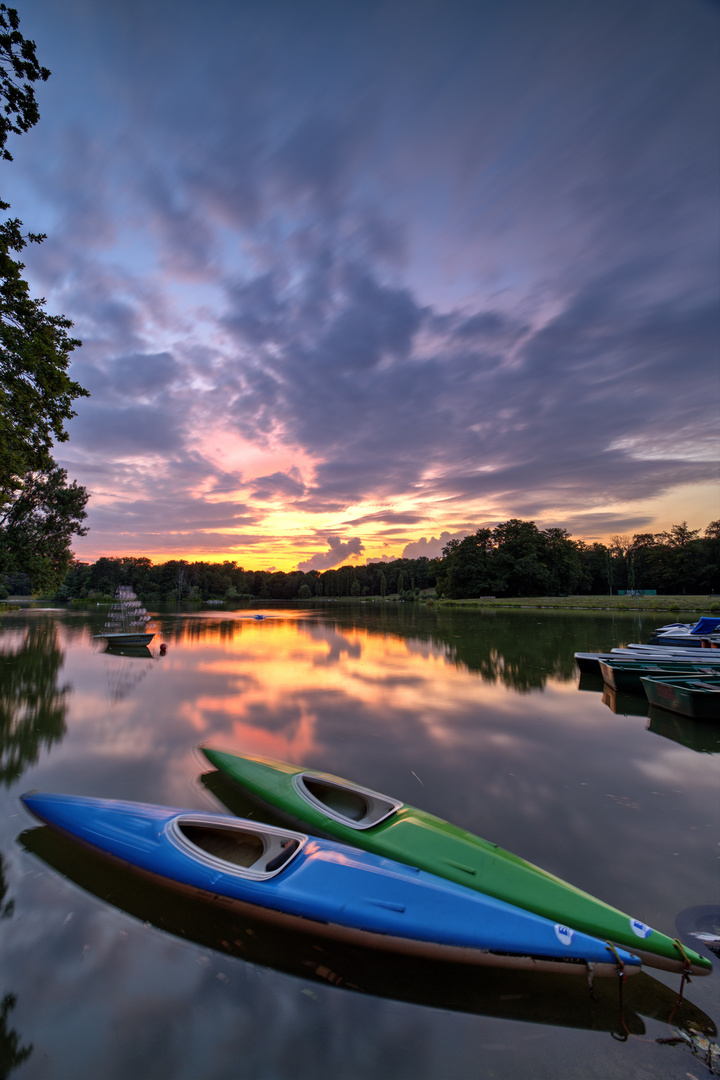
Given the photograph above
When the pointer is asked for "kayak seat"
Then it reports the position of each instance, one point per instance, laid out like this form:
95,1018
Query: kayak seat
231,845
359,808
349,804
289,848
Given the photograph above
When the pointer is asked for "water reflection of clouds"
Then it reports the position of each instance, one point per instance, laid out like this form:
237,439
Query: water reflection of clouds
339,644
363,674
553,775
672,766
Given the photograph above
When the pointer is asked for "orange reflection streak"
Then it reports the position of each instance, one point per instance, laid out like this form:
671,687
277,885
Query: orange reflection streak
267,681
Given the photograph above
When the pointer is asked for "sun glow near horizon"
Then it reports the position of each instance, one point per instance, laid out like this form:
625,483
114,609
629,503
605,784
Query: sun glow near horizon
284,537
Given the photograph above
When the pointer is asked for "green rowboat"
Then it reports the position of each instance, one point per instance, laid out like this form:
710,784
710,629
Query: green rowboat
698,698
331,806
627,674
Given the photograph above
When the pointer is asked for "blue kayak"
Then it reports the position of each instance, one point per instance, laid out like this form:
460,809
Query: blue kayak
335,890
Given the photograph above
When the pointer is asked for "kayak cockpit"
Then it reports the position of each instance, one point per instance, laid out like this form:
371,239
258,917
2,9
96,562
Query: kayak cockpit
243,848
356,807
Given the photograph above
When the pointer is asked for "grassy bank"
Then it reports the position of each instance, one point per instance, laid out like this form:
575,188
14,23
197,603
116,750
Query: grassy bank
668,605
684,608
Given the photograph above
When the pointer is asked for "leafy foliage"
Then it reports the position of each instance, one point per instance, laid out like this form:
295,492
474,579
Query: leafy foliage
35,389
17,63
37,526
513,559
39,510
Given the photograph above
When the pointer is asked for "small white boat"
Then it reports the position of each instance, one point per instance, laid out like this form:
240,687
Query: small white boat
127,621
690,635
589,662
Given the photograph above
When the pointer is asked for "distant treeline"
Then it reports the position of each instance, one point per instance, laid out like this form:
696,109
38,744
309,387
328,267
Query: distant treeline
518,559
513,559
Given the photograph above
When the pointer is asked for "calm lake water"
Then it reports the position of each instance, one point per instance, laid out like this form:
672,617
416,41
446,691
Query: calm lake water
481,719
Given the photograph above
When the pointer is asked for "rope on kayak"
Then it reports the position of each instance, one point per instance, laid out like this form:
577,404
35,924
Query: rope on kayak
685,977
624,1035
681,949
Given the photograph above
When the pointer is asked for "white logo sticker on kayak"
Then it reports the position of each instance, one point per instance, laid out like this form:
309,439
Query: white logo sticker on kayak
640,929
564,934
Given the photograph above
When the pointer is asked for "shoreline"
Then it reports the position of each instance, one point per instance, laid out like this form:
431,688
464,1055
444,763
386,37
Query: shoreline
691,605
644,604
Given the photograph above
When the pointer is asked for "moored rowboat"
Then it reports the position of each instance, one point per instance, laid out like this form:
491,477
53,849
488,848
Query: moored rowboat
589,662
331,890
332,806
627,674
698,698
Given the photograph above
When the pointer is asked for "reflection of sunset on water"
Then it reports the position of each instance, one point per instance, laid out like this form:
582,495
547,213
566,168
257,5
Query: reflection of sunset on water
290,667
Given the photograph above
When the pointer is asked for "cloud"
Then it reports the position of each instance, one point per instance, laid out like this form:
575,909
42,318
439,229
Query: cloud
277,484
338,552
432,548
130,431
392,517
452,289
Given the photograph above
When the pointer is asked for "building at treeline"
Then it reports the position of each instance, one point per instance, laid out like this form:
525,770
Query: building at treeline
513,559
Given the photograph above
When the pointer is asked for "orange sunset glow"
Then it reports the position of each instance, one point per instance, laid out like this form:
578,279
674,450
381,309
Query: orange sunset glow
288,537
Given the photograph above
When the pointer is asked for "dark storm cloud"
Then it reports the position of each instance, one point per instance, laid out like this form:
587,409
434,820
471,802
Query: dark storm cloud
318,160
143,374
258,314
486,326
177,543
135,375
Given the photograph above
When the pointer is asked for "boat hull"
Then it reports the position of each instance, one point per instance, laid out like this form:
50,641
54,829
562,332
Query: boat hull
628,675
328,888
589,663
697,698
419,839
125,639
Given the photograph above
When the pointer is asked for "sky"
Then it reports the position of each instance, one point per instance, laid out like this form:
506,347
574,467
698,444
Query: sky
353,278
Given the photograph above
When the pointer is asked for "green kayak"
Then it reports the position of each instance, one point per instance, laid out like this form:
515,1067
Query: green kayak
366,819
